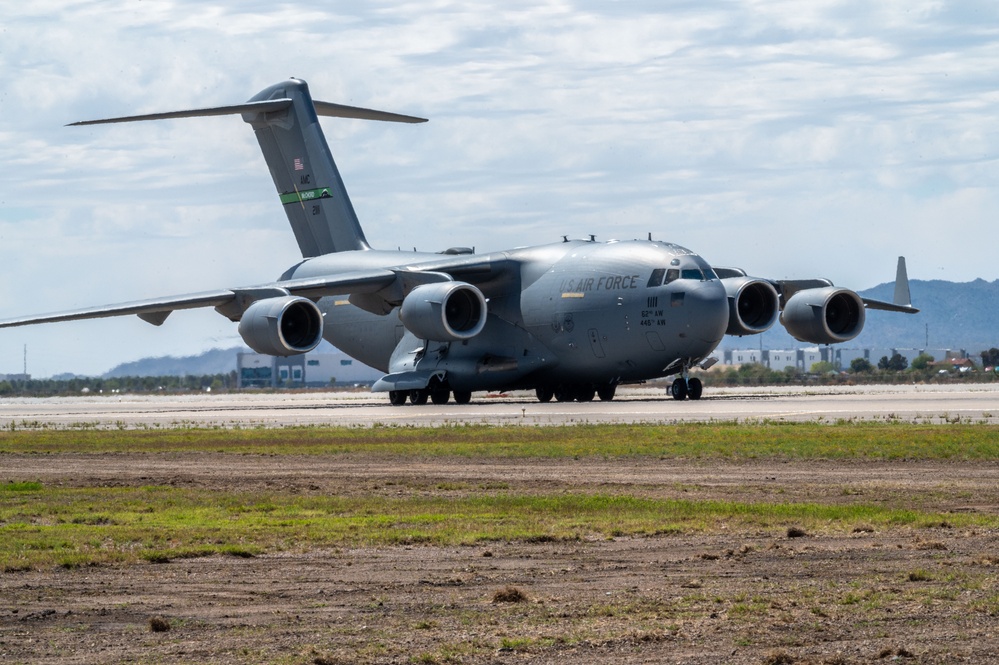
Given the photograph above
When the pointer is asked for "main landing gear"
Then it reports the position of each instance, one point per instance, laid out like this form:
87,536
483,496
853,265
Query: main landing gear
684,388
583,392
437,392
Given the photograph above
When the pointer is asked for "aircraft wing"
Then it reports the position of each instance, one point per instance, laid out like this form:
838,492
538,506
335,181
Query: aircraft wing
788,287
889,307
229,302
901,302
383,285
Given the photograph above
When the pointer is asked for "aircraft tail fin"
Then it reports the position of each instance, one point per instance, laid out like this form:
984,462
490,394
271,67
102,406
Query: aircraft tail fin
284,119
302,167
901,301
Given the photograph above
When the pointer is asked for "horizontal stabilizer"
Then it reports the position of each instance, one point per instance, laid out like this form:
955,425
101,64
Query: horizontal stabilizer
341,111
263,106
266,106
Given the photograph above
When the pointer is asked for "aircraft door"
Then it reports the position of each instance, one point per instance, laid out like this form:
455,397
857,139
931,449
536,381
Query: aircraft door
598,348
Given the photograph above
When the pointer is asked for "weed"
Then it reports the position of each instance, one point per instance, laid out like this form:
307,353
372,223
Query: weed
509,594
778,658
159,625
515,643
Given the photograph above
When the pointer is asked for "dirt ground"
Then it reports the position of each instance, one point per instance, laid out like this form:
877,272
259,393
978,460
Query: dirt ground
840,595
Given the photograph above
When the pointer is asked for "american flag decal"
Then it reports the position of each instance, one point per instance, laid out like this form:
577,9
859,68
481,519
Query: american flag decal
299,166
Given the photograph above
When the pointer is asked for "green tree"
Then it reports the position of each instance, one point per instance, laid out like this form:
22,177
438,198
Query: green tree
990,358
822,367
922,361
758,374
896,363
861,365
792,373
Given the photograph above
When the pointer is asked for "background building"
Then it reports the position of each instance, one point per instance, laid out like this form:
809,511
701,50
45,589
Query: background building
805,357
254,370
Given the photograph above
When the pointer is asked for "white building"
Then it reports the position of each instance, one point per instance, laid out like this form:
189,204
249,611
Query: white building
804,358
255,370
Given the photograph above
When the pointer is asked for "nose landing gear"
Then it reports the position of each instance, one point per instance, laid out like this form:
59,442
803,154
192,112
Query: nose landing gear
684,388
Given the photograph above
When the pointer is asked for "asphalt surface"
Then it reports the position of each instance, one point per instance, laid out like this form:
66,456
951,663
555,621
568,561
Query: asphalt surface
920,403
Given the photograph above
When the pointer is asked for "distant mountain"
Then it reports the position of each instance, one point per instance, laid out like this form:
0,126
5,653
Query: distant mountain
215,361
953,315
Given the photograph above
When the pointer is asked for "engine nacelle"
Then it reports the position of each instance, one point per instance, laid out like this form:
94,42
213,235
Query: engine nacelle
283,326
824,316
444,311
753,305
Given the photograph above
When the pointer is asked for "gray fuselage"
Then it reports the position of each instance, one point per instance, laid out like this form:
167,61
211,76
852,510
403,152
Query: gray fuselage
571,312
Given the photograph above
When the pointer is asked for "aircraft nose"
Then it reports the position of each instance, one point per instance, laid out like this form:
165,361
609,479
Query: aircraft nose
707,312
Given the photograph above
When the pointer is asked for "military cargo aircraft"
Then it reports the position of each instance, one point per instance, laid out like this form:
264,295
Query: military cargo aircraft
570,320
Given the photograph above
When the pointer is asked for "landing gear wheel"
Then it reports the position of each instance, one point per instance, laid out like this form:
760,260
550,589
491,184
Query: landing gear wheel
694,388
563,394
544,394
419,396
679,389
397,397
585,393
440,395
606,393
462,396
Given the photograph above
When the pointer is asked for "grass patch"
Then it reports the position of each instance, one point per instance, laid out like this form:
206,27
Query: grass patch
159,524
20,487
856,440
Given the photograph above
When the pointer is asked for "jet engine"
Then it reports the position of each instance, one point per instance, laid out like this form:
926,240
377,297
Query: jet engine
824,316
753,305
444,311
282,326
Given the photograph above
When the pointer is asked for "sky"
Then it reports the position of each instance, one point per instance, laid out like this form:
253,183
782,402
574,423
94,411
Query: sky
792,139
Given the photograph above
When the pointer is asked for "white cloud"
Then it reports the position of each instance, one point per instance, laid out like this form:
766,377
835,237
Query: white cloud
789,138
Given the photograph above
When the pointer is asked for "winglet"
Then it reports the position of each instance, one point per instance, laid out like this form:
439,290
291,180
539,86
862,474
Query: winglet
902,296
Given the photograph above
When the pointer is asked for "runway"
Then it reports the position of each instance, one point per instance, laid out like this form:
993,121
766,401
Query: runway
971,403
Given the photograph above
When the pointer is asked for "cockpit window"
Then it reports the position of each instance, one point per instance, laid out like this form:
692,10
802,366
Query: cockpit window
672,275
691,273
710,274
657,277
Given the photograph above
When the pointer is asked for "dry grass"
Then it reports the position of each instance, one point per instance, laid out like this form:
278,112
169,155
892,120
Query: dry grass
509,594
159,625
